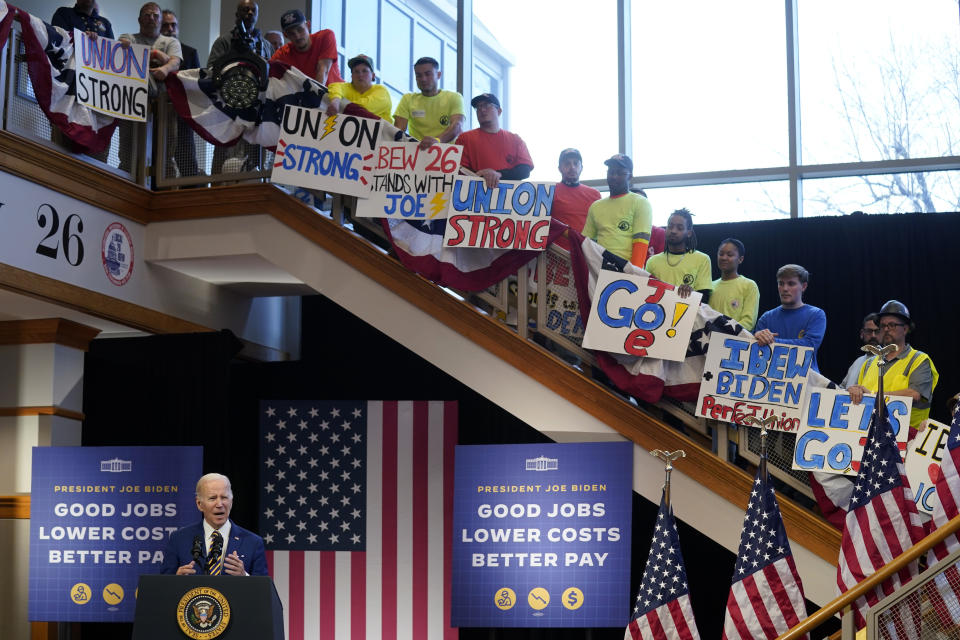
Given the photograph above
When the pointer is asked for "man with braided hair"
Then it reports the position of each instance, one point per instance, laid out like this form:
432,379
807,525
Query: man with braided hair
681,264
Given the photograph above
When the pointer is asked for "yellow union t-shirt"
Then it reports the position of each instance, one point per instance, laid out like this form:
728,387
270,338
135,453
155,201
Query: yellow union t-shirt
738,298
617,222
692,268
376,99
429,116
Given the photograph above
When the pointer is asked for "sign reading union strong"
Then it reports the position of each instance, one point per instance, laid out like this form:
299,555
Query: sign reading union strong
203,613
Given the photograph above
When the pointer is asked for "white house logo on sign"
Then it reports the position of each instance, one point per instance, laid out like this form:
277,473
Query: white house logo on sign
116,251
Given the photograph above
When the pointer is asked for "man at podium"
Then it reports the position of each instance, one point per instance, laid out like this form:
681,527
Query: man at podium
215,545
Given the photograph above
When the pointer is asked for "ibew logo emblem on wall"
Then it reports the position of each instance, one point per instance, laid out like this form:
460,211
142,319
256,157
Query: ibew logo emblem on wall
116,250
116,465
542,463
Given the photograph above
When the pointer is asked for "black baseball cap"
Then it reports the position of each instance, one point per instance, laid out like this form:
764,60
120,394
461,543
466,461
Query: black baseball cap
292,18
485,97
570,152
621,161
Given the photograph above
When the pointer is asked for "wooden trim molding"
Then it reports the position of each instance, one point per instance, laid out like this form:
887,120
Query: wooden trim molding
46,330
41,411
97,304
44,165
15,507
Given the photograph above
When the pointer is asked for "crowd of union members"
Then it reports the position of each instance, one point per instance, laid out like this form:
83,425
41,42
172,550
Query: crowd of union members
621,222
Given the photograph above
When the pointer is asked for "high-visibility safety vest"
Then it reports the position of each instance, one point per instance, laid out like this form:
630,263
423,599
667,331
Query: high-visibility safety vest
897,376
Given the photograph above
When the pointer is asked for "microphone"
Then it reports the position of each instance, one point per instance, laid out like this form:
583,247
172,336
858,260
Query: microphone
197,551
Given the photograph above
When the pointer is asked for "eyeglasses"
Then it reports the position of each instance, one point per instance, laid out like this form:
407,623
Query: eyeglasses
869,331
891,325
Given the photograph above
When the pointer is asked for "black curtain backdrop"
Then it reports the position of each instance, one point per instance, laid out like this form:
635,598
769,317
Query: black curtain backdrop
187,389
857,263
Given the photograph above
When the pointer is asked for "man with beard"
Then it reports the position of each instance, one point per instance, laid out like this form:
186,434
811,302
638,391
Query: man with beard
621,222
869,334
907,372
571,200
490,151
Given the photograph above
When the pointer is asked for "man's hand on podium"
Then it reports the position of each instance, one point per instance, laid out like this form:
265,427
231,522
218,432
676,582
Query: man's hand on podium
188,569
233,565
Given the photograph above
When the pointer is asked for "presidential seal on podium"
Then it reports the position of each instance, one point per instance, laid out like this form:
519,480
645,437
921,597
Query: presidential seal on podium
203,613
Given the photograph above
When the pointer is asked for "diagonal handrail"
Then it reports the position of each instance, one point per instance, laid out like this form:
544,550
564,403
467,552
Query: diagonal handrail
846,599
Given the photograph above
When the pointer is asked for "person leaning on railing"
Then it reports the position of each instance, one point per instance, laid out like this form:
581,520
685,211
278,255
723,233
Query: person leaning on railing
165,56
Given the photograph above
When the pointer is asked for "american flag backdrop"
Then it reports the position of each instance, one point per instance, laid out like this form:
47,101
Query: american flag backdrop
882,521
662,608
766,595
355,509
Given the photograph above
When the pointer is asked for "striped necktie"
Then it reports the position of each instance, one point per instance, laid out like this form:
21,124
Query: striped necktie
215,556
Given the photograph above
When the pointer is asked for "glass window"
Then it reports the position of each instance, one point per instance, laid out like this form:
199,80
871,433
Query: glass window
396,64
554,49
427,43
723,202
709,86
362,20
877,81
450,68
331,17
885,193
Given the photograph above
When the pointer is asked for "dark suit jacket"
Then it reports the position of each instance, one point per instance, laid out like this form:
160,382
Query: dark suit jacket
191,60
246,543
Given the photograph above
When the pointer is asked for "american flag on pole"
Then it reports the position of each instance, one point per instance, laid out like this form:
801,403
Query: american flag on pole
944,590
662,609
948,490
882,521
766,595
356,506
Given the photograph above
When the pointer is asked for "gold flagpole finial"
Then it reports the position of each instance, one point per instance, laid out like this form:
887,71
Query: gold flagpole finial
668,457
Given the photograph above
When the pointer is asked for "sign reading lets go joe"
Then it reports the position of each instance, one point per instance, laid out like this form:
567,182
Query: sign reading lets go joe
639,316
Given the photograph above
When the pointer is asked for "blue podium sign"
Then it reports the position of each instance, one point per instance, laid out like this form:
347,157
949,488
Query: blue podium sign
99,518
541,535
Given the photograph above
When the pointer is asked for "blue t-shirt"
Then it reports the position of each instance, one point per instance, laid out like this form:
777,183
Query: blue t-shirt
804,327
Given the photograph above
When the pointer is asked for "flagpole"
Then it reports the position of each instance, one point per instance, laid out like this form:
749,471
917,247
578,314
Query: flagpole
762,423
881,353
668,457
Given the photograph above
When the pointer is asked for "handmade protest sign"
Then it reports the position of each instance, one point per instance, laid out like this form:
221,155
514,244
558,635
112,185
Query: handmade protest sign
834,430
324,152
742,378
512,215
112,79
408,182
639,316
922,465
